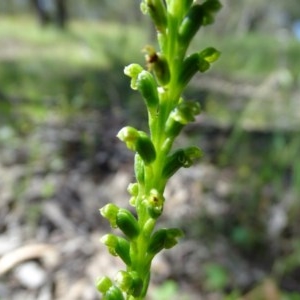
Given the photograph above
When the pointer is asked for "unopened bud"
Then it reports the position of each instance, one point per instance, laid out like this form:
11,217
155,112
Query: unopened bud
130,283
133,189
133,70
129,136
157,10
138,141
147,86
113,293
210,54
127,223
103,284
145,148
117,246
191,23
180,158
110,211
183,114
164,239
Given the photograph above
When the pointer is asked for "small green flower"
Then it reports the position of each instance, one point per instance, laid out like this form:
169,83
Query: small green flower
117,246
164,238
110,211
155,203
113,293
127,223
210,54
157,10
129,282
103,284
146,84
133,70
180,158
138,141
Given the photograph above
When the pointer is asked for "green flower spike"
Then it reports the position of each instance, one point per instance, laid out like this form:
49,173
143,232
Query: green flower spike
161,84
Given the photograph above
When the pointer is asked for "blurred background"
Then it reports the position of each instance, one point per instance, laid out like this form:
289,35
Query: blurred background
63,98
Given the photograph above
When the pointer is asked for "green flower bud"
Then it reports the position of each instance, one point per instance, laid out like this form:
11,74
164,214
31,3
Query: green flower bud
210,54
113,293
157,241
124,281
164,239
133,189
191,65
191,23
155,203
183,114
138,141
180,158
145,148
172,236
203,65
157,11
137,285
130,283
139,169
147,86
212,6
129,136
103,284
111,241
123,250
110,211
127,223
117,246
133,70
